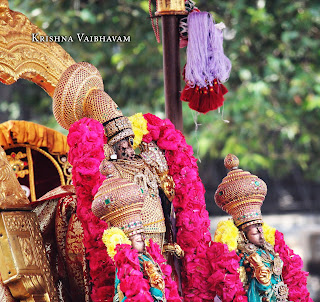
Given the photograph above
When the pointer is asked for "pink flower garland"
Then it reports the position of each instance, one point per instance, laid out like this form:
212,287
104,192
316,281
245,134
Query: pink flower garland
131,278
225,280
292,273
189,203
86,139
171,291
203,267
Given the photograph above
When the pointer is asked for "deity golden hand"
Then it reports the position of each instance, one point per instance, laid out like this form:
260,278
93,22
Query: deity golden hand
261,272
153,156
174,248
155,278
107,168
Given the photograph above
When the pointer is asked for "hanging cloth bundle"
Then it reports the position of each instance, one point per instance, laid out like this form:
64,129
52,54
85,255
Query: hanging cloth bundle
207,67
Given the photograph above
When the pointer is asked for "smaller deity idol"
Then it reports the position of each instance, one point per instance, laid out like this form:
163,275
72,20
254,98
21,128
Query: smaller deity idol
260,266
149,268
241,195
119,203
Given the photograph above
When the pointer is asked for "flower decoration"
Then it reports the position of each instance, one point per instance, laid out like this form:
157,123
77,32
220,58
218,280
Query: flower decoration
131,278
86,139
139,127
228,234
269,233
292,273
192,218
113,236
224,278
171,290
208,268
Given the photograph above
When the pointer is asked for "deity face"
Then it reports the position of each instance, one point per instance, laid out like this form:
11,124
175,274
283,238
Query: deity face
137,241
124,150
254,234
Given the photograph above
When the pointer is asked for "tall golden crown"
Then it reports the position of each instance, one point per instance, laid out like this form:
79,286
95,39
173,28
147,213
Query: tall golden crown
79,93
119,203
241,194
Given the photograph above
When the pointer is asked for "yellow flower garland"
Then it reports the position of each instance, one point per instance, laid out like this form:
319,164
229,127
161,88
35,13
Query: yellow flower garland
139,127
113,236
228,233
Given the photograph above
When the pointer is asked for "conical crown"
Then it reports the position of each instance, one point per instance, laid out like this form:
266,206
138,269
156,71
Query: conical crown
79,93
241,194
119,203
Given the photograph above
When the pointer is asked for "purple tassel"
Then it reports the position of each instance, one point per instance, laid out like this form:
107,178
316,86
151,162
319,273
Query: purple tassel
205,57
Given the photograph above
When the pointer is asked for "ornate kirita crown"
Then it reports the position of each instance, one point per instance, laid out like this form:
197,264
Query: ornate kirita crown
241,194
119,203
79,93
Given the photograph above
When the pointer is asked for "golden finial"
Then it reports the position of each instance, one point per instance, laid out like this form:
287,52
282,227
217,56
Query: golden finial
231,162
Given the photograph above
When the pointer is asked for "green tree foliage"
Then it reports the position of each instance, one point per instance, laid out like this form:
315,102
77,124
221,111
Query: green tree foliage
273,104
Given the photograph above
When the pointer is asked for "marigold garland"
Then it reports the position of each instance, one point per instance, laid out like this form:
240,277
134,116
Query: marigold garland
227,233
269,233
139,127
113,236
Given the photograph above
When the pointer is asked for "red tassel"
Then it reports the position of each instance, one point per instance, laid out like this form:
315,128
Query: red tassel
205,101
187,93
194,101
223,89
219,90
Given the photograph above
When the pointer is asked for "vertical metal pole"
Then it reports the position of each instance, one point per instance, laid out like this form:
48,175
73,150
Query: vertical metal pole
171,69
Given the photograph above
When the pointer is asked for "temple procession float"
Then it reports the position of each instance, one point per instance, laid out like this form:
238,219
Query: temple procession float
102,223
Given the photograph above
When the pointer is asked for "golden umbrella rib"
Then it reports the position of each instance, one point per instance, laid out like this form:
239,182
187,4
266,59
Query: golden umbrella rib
40,62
